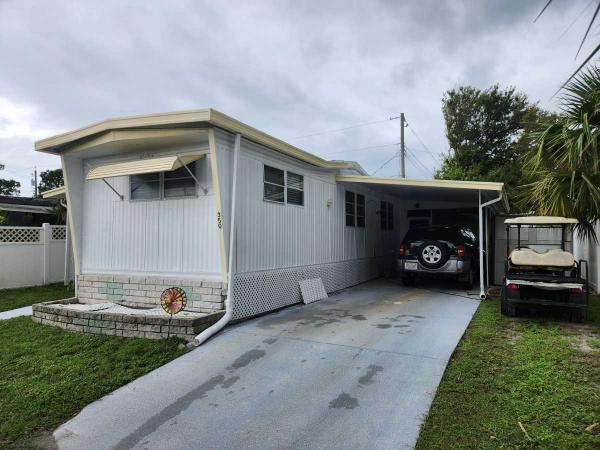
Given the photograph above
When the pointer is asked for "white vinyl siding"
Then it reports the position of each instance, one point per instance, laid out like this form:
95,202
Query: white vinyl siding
178,237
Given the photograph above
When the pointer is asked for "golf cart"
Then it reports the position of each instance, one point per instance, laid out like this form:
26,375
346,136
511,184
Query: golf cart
550,278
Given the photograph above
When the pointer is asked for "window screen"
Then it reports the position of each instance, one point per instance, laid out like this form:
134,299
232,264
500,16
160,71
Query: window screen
179,183
145,187
383,215
295,189
350,209
274,185
360,210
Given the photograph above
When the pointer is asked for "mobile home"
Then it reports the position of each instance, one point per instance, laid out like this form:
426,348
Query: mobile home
198,199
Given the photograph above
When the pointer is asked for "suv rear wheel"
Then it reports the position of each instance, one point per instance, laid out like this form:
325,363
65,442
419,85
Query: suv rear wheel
433,254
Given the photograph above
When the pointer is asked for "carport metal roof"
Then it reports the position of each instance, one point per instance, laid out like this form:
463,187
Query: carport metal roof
439,190
481,193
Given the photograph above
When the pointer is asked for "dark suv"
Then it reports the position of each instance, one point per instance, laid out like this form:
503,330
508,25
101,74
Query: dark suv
439,250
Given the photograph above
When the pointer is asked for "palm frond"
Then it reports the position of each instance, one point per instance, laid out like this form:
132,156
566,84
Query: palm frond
588,29
542,11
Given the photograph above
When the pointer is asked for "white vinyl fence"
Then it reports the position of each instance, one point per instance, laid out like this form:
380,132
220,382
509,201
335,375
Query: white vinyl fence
32,256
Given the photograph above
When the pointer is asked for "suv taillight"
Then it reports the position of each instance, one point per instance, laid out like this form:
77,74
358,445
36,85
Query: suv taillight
402,249
460,251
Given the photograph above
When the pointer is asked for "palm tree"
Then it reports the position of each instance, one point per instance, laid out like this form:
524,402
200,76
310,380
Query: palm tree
565,159
596,49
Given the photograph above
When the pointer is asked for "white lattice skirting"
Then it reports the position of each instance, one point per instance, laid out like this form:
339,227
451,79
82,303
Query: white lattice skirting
259,292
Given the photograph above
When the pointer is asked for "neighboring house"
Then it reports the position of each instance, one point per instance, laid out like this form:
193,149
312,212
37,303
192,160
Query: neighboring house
28,211
194,199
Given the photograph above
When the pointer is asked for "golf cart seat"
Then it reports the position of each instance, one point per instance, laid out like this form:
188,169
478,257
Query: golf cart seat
551,258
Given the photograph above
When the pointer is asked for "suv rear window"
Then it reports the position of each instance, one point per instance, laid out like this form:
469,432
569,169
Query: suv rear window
451,234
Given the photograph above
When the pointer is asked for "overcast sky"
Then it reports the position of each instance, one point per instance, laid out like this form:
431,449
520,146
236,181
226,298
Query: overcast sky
290,68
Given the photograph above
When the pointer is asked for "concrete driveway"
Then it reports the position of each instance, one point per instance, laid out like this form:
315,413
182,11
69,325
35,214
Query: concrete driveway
358,370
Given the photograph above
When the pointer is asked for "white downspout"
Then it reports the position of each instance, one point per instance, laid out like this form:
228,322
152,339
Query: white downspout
67,247
481,252
218,326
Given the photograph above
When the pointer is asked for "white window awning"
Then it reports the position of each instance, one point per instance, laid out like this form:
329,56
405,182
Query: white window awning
138,167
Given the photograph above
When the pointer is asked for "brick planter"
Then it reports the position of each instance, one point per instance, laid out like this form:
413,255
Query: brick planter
203,295
134,323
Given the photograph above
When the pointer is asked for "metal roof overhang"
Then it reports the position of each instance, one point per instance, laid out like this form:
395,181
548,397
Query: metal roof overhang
138,167
35,209
177,122
416,190
59,192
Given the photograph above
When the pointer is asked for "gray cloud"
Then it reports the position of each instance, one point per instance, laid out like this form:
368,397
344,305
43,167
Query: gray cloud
287,67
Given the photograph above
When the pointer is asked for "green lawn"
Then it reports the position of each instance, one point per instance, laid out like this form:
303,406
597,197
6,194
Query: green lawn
17,298
47,375
541,374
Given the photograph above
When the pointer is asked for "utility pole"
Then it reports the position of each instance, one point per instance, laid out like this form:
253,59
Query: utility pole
34,183
402,149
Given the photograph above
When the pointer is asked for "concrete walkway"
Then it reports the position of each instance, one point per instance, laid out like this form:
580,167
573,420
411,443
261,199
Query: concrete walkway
25,311
358,370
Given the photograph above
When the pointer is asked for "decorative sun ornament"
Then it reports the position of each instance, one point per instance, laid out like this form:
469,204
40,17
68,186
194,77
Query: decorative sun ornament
173,300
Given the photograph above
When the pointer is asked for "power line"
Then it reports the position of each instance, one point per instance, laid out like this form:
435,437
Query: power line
420,163
387,162
417,164
364,148
412,163
421,142
575,20
350,127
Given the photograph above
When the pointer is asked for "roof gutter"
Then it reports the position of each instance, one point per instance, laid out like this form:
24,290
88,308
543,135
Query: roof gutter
218,326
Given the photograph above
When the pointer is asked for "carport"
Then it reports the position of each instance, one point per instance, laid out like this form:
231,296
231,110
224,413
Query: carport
444,202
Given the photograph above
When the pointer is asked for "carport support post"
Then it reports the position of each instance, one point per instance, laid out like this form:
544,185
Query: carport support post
481,282
481,252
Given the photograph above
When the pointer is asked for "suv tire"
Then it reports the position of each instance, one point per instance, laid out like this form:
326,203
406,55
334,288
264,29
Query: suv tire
433,254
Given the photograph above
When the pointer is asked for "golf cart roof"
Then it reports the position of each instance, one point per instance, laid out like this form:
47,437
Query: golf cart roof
540,220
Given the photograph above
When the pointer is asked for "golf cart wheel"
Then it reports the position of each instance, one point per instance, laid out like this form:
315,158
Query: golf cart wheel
467,281
506,307
433,254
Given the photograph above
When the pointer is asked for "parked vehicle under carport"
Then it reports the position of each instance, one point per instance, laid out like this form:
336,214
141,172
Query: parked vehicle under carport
440,251
552,278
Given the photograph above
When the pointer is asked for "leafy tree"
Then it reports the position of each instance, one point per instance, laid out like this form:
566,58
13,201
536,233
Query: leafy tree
565,161
50,179
485,131
9,187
